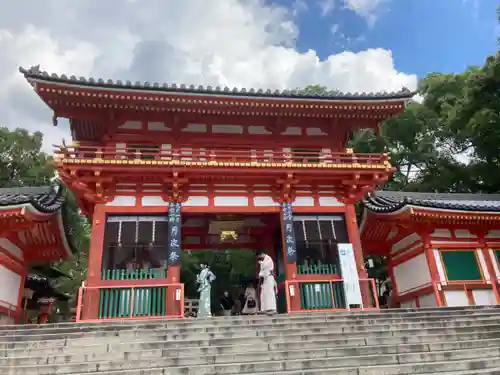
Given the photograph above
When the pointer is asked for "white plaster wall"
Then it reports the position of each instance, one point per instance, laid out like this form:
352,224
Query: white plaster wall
158,126
196,201
495,233
258,129
412,274
439,265
409,304
330,202
456,298
303,202
495,262
231,201
6,320
10,283
484,297
195,128
227,129
292,130
264,201
153,201
482,264
136,125
122,201
416,245
440,232
408,240
464,233
428,300
11,248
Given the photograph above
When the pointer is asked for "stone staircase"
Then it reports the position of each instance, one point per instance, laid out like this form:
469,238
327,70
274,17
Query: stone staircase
393,342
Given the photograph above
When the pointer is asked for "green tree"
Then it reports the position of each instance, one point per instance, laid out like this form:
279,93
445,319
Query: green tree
23,163
77,265
21,160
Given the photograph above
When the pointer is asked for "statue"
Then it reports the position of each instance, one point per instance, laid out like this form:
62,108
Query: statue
204,279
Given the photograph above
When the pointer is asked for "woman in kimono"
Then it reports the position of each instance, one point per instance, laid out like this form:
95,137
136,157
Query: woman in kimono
205,279
268,282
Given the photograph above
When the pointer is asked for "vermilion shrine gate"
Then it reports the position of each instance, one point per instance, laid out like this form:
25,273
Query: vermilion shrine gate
443,249
32,233
160,168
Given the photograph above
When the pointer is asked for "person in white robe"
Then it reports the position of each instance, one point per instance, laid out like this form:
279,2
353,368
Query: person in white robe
205,279
268,284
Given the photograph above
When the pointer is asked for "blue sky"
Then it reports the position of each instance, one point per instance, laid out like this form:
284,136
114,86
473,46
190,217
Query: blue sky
423,35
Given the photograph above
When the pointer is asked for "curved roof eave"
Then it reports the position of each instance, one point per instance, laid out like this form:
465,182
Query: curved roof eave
35,73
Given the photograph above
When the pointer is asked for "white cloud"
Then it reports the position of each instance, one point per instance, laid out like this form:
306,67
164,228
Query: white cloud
368,9
327,6
227,42
299,6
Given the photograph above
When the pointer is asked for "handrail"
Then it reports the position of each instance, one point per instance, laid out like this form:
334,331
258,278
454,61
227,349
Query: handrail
198,154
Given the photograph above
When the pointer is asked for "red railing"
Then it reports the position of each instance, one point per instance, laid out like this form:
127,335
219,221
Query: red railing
438,289
324,295
122,301
202,155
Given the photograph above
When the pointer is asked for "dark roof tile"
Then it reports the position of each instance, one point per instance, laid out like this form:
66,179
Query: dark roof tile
391,201
46,199
35,72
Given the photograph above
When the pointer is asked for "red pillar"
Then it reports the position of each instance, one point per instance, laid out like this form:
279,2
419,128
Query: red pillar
173,277
431,261
489,265
355,240
91,296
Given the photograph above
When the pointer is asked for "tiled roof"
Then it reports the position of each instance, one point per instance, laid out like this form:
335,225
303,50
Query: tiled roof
391,201
36,73
46,199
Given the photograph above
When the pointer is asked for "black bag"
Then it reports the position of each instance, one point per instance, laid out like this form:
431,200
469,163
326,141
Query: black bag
251,304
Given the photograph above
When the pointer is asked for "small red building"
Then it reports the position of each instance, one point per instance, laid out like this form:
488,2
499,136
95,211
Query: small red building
162,168
32,231
442,249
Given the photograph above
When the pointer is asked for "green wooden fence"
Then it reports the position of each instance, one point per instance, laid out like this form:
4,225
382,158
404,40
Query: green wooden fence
318,296
117,302
317,269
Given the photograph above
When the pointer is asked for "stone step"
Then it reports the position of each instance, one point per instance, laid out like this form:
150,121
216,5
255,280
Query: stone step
383,314
290,343
242,353
344,371
405,363
267,327
247,324
253,335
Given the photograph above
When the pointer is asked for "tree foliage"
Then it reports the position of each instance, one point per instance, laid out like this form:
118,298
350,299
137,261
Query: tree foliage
23,163
21,160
